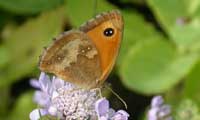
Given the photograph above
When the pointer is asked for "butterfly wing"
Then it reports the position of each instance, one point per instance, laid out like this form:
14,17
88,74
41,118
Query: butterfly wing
74,58
106,31
86,57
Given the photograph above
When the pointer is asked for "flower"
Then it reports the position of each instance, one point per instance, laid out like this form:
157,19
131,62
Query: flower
66,101
158,110
106,113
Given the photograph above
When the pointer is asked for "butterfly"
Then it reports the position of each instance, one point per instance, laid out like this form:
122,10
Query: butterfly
86,56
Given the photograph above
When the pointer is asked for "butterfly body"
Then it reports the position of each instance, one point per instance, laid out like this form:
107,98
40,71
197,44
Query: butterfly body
85,57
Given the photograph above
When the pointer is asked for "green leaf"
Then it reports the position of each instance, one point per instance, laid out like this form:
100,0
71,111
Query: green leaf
26,42
187,36
48,117
4,56
28,6
187,110
4,101
178,19
167,12
8,30
191,84
191,6
154,66
24,105
4,17
139,2
136,29
80,11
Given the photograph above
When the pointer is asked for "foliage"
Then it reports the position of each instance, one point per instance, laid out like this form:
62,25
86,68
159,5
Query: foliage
157,55
187,110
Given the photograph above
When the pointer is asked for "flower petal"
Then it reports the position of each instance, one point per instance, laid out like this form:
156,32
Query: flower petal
152,114
41,98
54,94
121,115
45,82
52,110
157,101
37,113
111,112
103,118
34,83
102,107
165,110
57,83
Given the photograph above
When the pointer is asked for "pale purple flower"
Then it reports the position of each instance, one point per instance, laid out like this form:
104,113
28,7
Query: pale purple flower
66,101
159,110
35,114
106,113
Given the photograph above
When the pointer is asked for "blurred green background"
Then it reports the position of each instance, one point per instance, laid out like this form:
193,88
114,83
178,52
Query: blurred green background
159,53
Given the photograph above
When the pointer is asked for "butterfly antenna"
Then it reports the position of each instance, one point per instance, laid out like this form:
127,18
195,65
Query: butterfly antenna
117,96
95,7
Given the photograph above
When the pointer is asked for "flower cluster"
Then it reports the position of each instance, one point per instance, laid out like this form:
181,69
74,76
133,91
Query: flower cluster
66,101
158,110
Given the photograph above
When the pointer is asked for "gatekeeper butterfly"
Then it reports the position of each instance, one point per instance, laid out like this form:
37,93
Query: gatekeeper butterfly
86,56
